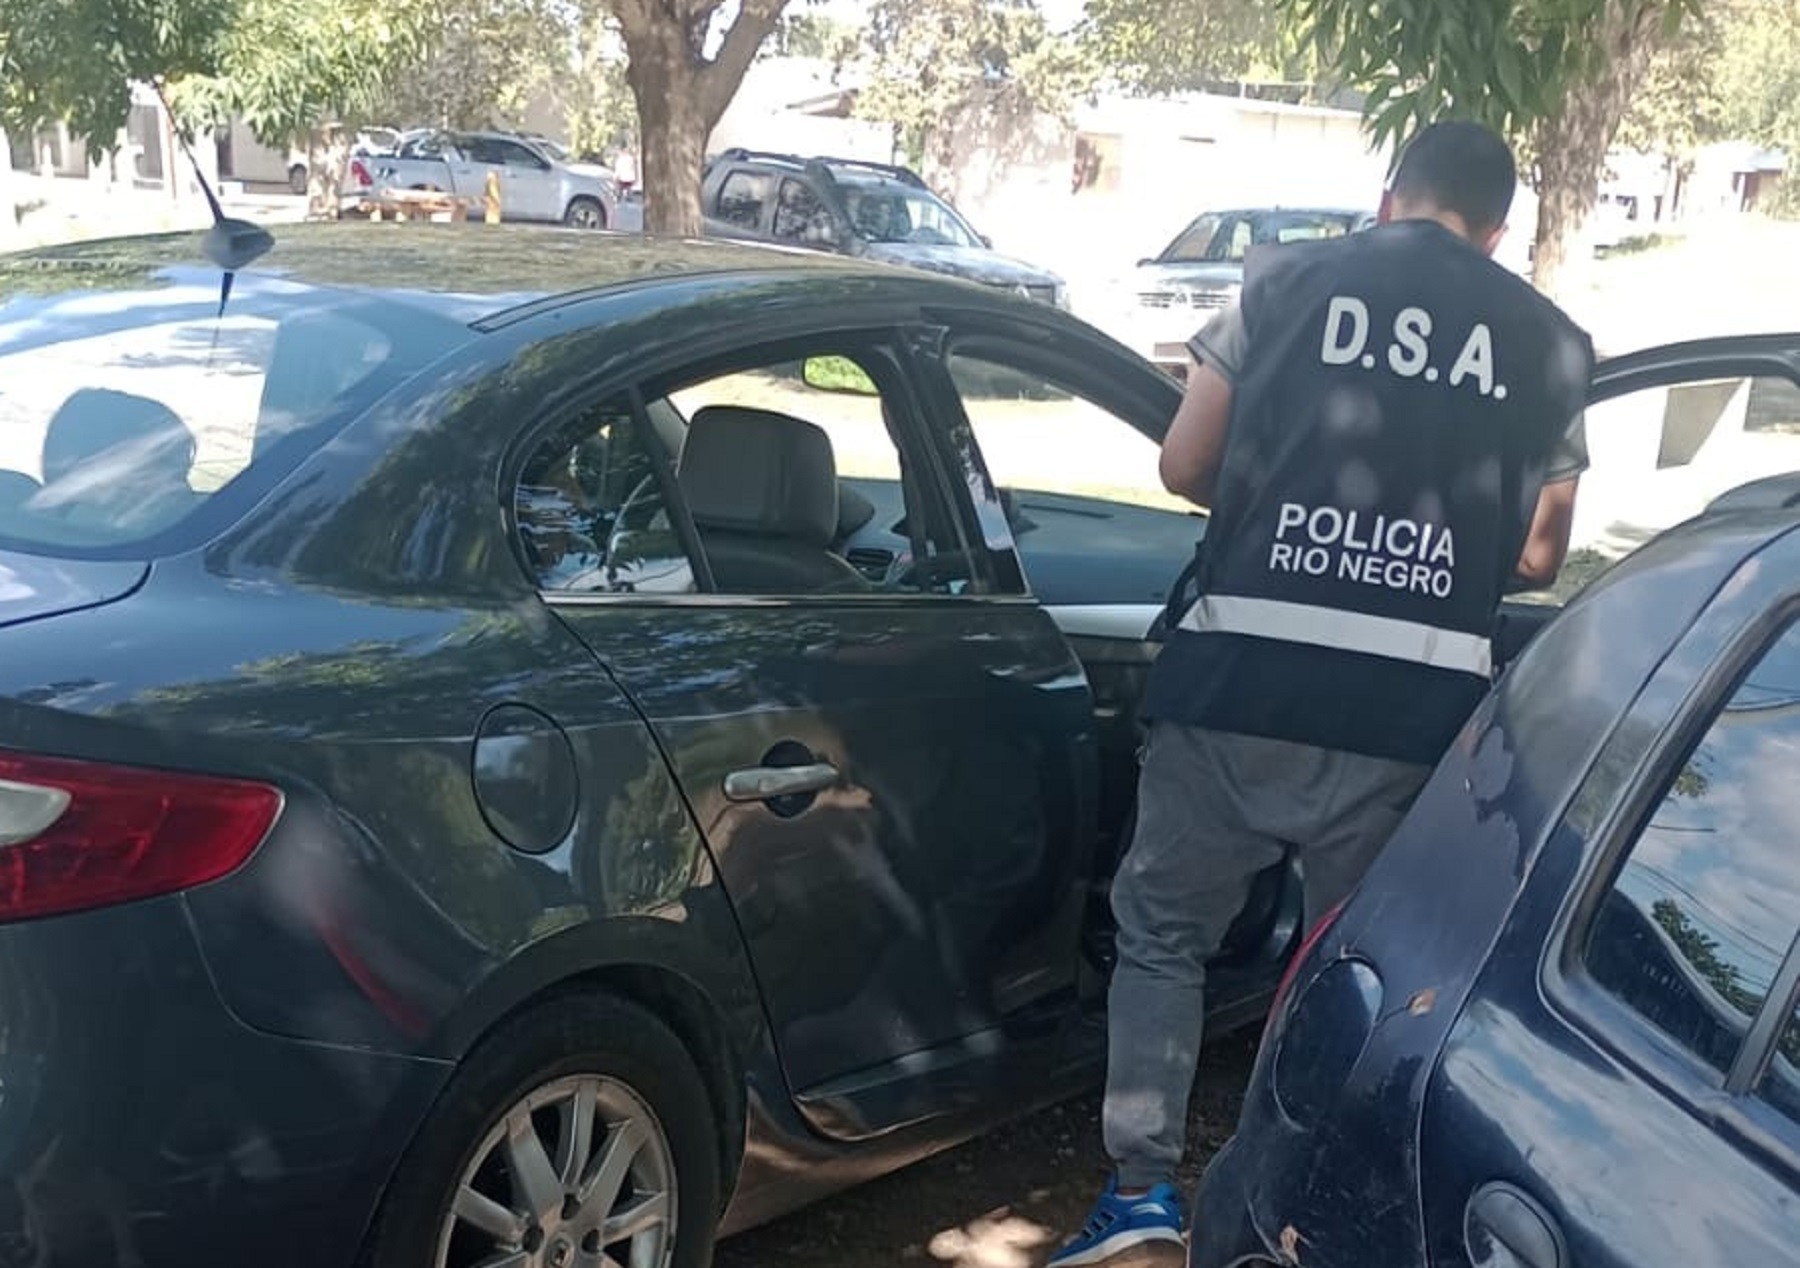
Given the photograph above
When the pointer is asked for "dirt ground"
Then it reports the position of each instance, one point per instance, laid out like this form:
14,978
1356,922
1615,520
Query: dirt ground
1005,1201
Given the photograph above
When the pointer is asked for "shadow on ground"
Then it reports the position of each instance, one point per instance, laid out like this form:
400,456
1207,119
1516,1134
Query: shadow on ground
1005,1201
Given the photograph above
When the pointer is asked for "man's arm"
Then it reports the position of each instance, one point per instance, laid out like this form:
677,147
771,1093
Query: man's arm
1547,543
1547,540
1194,450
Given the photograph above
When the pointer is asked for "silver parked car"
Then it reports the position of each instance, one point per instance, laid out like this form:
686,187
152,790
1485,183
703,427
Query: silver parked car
1202,271
536,182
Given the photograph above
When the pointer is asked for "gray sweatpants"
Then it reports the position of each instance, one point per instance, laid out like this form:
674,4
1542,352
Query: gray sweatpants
1214,810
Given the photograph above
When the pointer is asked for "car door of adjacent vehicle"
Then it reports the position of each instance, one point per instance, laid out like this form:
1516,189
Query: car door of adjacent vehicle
1669,429
1622,1087
893,764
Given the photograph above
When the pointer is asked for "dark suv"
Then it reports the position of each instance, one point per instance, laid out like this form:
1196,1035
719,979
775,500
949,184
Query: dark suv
850,207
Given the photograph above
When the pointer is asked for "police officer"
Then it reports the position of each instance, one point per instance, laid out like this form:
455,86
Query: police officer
1388,431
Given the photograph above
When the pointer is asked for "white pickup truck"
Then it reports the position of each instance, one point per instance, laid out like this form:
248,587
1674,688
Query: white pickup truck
536,183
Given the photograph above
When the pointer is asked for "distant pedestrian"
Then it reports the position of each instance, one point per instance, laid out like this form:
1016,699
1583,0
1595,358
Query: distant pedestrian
625,169
1388,432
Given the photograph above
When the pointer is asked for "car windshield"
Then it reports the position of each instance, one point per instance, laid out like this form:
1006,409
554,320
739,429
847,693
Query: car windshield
1226,237
127,413
893,213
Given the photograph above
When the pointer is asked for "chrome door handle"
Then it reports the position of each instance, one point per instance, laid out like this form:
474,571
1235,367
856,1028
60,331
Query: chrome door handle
765,783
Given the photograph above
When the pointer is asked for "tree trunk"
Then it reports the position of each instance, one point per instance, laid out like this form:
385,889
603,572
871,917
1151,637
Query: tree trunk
1571,145
681,95
673,147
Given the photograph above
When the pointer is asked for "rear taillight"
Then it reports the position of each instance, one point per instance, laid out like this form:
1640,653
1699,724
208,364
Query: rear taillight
359,175
1307,944
78,835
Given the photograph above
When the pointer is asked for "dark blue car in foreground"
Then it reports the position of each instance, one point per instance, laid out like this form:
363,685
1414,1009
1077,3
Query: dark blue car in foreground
518,746
1559,1024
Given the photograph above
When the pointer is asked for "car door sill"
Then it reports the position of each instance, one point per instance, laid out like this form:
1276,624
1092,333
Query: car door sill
966,1075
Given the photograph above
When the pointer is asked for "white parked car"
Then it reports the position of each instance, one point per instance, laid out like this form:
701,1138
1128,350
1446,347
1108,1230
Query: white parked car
535,183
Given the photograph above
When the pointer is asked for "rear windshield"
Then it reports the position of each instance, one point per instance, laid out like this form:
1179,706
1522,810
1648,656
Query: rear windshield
129,420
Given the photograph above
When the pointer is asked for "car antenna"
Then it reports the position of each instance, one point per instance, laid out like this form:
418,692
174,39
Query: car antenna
231,243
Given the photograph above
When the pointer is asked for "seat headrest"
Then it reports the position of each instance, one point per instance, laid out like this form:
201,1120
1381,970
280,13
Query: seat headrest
131,431
756,471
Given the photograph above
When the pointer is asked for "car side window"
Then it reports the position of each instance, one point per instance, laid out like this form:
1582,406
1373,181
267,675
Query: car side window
512,154
1697,920
742,198
800,480
800,215
1037,436
591,514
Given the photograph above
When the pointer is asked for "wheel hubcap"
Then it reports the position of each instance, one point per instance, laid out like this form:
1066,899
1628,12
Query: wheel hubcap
577,1174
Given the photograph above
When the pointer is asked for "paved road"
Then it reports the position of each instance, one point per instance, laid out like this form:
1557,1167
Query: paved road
1005,1201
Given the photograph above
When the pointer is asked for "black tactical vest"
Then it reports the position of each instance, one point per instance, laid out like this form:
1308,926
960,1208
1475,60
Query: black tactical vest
1399,399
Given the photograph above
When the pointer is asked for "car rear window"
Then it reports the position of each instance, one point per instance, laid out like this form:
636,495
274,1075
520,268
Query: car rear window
125,418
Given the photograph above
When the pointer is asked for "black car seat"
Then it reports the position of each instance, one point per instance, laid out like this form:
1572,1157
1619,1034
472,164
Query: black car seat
762,488
116,457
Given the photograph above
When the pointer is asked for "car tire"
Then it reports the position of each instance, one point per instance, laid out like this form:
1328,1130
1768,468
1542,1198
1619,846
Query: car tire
518,1095
297,179
585,213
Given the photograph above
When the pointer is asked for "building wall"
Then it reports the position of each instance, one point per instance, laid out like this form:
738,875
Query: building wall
1159,164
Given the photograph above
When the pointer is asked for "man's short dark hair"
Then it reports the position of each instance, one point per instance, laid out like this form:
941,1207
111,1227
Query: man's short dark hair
1462,167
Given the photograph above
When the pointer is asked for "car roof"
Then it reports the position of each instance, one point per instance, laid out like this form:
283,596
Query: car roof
471,273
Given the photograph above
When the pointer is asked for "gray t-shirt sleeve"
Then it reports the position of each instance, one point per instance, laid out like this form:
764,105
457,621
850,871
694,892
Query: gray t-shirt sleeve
1569,455
1223,343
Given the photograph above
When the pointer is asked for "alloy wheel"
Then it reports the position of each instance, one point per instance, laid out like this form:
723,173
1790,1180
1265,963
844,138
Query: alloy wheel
577,1174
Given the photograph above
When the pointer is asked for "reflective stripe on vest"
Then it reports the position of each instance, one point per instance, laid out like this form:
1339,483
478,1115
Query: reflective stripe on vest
1346,631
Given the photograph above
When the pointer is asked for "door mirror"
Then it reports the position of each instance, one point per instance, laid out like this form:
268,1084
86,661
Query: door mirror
837,374
986,241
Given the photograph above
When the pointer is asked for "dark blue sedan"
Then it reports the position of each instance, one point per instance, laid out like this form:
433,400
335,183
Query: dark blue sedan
519,747
1559,1024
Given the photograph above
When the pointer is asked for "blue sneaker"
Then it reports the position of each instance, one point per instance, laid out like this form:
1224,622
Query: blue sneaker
1119,1224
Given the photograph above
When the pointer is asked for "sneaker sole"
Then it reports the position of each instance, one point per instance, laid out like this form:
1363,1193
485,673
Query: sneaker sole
1134,1248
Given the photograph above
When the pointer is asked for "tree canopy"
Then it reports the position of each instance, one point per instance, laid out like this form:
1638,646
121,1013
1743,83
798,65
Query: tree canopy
1154,46
1554,75
77,59
943,71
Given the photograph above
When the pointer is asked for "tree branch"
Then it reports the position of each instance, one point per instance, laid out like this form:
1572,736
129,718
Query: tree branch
756,20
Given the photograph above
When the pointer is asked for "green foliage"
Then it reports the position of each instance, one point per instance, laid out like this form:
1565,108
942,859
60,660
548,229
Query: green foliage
1733,74
1154,46
480,63
287,66
1680,103
76,59
1758,78
804,33
599,108
1509,65
939,69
